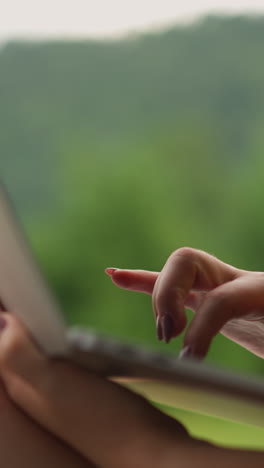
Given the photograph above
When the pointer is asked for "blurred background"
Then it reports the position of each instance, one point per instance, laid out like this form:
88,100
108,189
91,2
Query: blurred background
128,130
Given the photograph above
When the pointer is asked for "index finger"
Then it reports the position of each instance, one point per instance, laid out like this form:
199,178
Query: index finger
133,280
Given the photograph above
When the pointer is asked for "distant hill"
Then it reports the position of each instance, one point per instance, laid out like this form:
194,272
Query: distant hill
55,93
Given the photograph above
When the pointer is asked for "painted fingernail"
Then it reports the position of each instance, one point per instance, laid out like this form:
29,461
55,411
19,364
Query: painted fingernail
186,352
2,322
167,327
159,329
110,271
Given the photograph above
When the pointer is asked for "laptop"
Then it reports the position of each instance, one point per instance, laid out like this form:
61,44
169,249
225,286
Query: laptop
186,384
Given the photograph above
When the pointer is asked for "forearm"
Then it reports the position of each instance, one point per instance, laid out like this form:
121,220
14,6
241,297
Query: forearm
24,444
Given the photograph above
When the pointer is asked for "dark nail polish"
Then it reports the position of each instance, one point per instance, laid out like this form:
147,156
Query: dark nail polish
167,327
159,328
186,352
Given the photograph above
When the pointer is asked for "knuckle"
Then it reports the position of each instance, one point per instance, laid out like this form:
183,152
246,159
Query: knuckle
186,252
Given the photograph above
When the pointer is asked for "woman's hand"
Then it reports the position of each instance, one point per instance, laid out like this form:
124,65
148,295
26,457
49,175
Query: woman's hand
224,299
108,425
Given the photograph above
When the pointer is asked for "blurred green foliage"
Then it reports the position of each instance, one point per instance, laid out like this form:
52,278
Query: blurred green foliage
118,153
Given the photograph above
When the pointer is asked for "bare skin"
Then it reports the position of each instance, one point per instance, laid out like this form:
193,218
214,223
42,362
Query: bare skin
23,442
109,425
224,298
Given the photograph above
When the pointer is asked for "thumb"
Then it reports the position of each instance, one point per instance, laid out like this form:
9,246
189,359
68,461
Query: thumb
20,359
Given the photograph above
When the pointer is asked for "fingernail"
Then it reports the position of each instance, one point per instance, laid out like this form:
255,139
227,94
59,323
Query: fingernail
186,352
2,322
167,327
110,271
159,329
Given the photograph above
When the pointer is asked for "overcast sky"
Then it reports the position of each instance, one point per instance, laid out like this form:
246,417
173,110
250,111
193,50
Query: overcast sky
86,18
